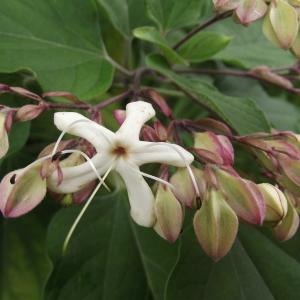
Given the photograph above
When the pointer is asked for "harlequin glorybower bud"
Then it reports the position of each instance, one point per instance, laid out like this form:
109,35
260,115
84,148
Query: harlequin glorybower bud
169,214
215,225
289,224
281,24
214,148
276,203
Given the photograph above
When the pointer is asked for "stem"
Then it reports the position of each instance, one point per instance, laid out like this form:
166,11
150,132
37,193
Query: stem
237,73
112,100
200,27
119,67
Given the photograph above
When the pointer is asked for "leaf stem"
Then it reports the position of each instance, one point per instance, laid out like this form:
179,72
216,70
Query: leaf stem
201,27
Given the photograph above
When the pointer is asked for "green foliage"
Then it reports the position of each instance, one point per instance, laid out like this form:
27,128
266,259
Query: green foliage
59,41
52,45
241,113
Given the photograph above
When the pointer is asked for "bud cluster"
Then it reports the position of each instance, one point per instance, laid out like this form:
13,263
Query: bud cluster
280,19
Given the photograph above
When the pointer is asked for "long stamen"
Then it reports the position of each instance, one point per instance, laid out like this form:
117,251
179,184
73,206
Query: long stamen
154,178
90,162
37,161
88,202
191,173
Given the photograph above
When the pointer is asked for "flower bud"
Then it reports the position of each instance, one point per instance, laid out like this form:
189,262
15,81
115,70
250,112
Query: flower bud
160,102
214,148
169,214
286,229
281,24
243,196
266,74
149,134
120,116
250,10
184,189
21,191
161,131
29,112
4,143
225,5
276,203
215,225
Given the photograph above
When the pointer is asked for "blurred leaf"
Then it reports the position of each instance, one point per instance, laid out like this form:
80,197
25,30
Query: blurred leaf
241,113
203,46
254,269
282,114
59,41
125,15
170,14
151,35
250,48
24,264
109,257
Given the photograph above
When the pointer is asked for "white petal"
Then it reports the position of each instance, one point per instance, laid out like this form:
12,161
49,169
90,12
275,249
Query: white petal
79,125
75,178
137,114
139,193
4,144
172,154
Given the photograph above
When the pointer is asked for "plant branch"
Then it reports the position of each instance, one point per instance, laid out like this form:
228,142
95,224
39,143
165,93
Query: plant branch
238,73
201,27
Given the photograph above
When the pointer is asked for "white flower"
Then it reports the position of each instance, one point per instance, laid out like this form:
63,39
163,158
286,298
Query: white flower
121,151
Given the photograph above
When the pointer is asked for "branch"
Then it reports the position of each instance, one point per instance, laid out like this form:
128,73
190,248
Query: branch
238,73
200,27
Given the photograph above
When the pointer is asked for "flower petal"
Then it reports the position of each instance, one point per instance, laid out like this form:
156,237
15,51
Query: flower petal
137,114
21,191
139,193
79,125
75,178
4,144
164,153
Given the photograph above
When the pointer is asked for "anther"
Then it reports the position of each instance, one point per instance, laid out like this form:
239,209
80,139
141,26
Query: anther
13,179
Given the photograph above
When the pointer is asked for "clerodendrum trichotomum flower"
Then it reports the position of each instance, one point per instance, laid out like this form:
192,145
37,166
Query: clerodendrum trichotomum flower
122,151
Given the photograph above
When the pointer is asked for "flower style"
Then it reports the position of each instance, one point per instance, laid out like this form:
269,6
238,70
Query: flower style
121,151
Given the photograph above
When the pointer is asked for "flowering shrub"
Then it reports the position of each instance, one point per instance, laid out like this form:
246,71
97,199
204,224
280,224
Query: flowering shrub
150,149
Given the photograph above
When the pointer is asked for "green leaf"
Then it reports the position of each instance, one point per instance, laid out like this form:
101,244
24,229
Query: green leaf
235,277
150,34
126,15
109,257
241,113
250,48
203,46
59,41
282,114
256,268
171,14
24,264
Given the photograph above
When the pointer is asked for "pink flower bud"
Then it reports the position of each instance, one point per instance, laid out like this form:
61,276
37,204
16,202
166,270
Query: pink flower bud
120,116
29,112
215,225
149,134
266,74
161,131
160,102
25,93
21,191
169,214
214,148
243,196
250,10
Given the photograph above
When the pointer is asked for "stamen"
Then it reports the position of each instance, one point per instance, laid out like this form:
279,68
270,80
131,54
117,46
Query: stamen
191,173
90,162
154,178
86,205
